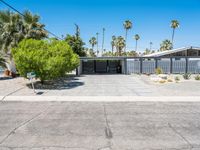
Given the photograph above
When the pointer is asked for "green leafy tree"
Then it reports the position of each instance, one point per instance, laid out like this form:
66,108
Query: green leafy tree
136,37
127,26
166,45
48,59
76,42
174,25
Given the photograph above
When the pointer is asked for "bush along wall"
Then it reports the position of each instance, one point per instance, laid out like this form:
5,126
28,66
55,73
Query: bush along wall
49,59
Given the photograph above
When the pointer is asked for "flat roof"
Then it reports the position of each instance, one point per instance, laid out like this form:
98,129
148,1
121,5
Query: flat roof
157,54
104,58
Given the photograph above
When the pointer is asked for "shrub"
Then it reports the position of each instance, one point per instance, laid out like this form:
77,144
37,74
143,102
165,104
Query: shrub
48,59
162,81
169,80
177,79
197,77
158,71
186,76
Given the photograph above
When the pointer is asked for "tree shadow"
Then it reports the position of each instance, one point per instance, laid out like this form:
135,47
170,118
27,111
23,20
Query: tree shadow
6,78
68,82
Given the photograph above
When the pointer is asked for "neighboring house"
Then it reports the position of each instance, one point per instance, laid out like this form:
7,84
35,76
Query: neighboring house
185,51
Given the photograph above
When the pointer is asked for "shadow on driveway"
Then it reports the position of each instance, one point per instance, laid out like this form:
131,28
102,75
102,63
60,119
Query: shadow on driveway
64,83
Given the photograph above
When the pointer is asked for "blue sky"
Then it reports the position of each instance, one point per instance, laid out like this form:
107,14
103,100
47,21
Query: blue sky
151,19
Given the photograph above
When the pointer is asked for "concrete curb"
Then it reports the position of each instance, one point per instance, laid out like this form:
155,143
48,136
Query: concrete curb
1,98
102,98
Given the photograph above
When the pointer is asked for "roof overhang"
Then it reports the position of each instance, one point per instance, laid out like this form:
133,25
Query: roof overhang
159,54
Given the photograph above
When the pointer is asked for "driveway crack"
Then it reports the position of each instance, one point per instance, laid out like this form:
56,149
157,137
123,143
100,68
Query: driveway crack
23,124
108,131
180,135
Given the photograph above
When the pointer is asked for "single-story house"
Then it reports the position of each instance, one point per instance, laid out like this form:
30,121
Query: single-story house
178,60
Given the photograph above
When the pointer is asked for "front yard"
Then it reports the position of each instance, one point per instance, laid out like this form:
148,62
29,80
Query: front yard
105,85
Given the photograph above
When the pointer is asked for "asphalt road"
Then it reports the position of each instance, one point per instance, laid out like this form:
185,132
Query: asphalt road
99,126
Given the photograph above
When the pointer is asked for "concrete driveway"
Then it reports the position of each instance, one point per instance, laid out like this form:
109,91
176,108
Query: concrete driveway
102,85
99,126
106,85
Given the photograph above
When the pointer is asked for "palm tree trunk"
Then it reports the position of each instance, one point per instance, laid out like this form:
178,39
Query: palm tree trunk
173,32
136,45
125,40
103,40
112,49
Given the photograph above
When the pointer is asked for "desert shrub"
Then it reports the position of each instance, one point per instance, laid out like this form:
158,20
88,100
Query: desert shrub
197,77
177,79
186,76
162,81
48,59
158,70
169,80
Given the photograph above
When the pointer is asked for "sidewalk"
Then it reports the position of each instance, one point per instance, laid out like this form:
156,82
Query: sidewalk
101,98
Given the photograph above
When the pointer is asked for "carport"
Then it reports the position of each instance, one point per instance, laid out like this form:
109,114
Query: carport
102,65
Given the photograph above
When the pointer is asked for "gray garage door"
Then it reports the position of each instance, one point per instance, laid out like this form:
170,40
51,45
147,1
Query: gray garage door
101,66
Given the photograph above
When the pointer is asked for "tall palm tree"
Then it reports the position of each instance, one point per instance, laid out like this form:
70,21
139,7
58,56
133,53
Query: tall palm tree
15,28
120,44
103,37
113,43
32,28
93,42
2,62
166,45
136,37
174,25
127,26
97,39
151,43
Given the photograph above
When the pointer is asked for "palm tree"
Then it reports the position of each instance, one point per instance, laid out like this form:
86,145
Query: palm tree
136,37
32,28
15,28
166,45
93,42
174,25
97,35
147,51
103,37
113,43
127,26
151,43
2,62
120,44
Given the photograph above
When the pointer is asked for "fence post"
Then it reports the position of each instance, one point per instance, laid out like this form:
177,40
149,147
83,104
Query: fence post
125,66
171,65
156,63
141,65
186,65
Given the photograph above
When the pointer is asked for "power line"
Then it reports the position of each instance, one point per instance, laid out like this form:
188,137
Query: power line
24,16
